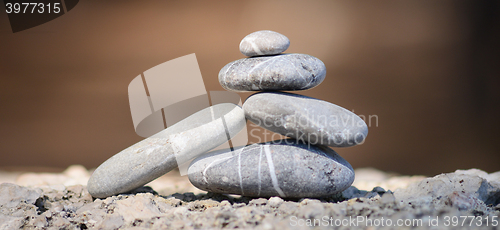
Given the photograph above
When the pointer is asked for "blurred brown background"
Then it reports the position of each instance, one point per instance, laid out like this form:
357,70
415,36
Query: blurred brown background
427,69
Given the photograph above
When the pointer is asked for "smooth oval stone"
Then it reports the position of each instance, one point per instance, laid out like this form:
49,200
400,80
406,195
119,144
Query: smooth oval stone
264,42
305,118
285,168
154,156
280,72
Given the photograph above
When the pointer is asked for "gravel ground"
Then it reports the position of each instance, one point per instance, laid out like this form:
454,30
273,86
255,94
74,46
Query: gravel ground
464,199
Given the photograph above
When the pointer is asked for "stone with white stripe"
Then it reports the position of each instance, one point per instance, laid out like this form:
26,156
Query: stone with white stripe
154,156
264,42
284,168
279,72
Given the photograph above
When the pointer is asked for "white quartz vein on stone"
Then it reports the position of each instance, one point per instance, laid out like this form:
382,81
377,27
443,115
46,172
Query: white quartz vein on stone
212,113
301,75
239,172
225,74
272,172
265,70
255,47
255,67
204,173
185,143
328,172
260,177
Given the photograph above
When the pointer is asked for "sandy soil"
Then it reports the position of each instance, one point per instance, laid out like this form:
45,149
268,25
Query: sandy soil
377,200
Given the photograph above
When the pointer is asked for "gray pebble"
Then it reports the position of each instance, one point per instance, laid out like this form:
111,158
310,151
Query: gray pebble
164,151
280,72
225,203
281,168
388,199
258,202
306,119
264,42
378,190
275,201
307,201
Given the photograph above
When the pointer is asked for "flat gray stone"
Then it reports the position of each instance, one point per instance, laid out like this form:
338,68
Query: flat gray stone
164,151
281,168
305,118
279,72
264,42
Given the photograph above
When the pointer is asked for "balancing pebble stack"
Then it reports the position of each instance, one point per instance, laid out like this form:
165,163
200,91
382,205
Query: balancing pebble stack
300,166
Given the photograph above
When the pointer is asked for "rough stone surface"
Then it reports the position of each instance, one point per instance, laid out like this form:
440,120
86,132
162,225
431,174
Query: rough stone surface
282,168
12,195
305,118
264,42
279,72
72,207
463,190
164,151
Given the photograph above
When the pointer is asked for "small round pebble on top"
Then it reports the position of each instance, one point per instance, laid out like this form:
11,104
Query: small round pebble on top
264,42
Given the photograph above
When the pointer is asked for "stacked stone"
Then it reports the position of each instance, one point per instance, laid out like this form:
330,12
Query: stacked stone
156,155
301,166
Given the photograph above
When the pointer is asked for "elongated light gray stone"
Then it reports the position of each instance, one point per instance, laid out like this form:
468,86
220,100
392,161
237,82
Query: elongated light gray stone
264,42
164,151
305,118
279,72
285,168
